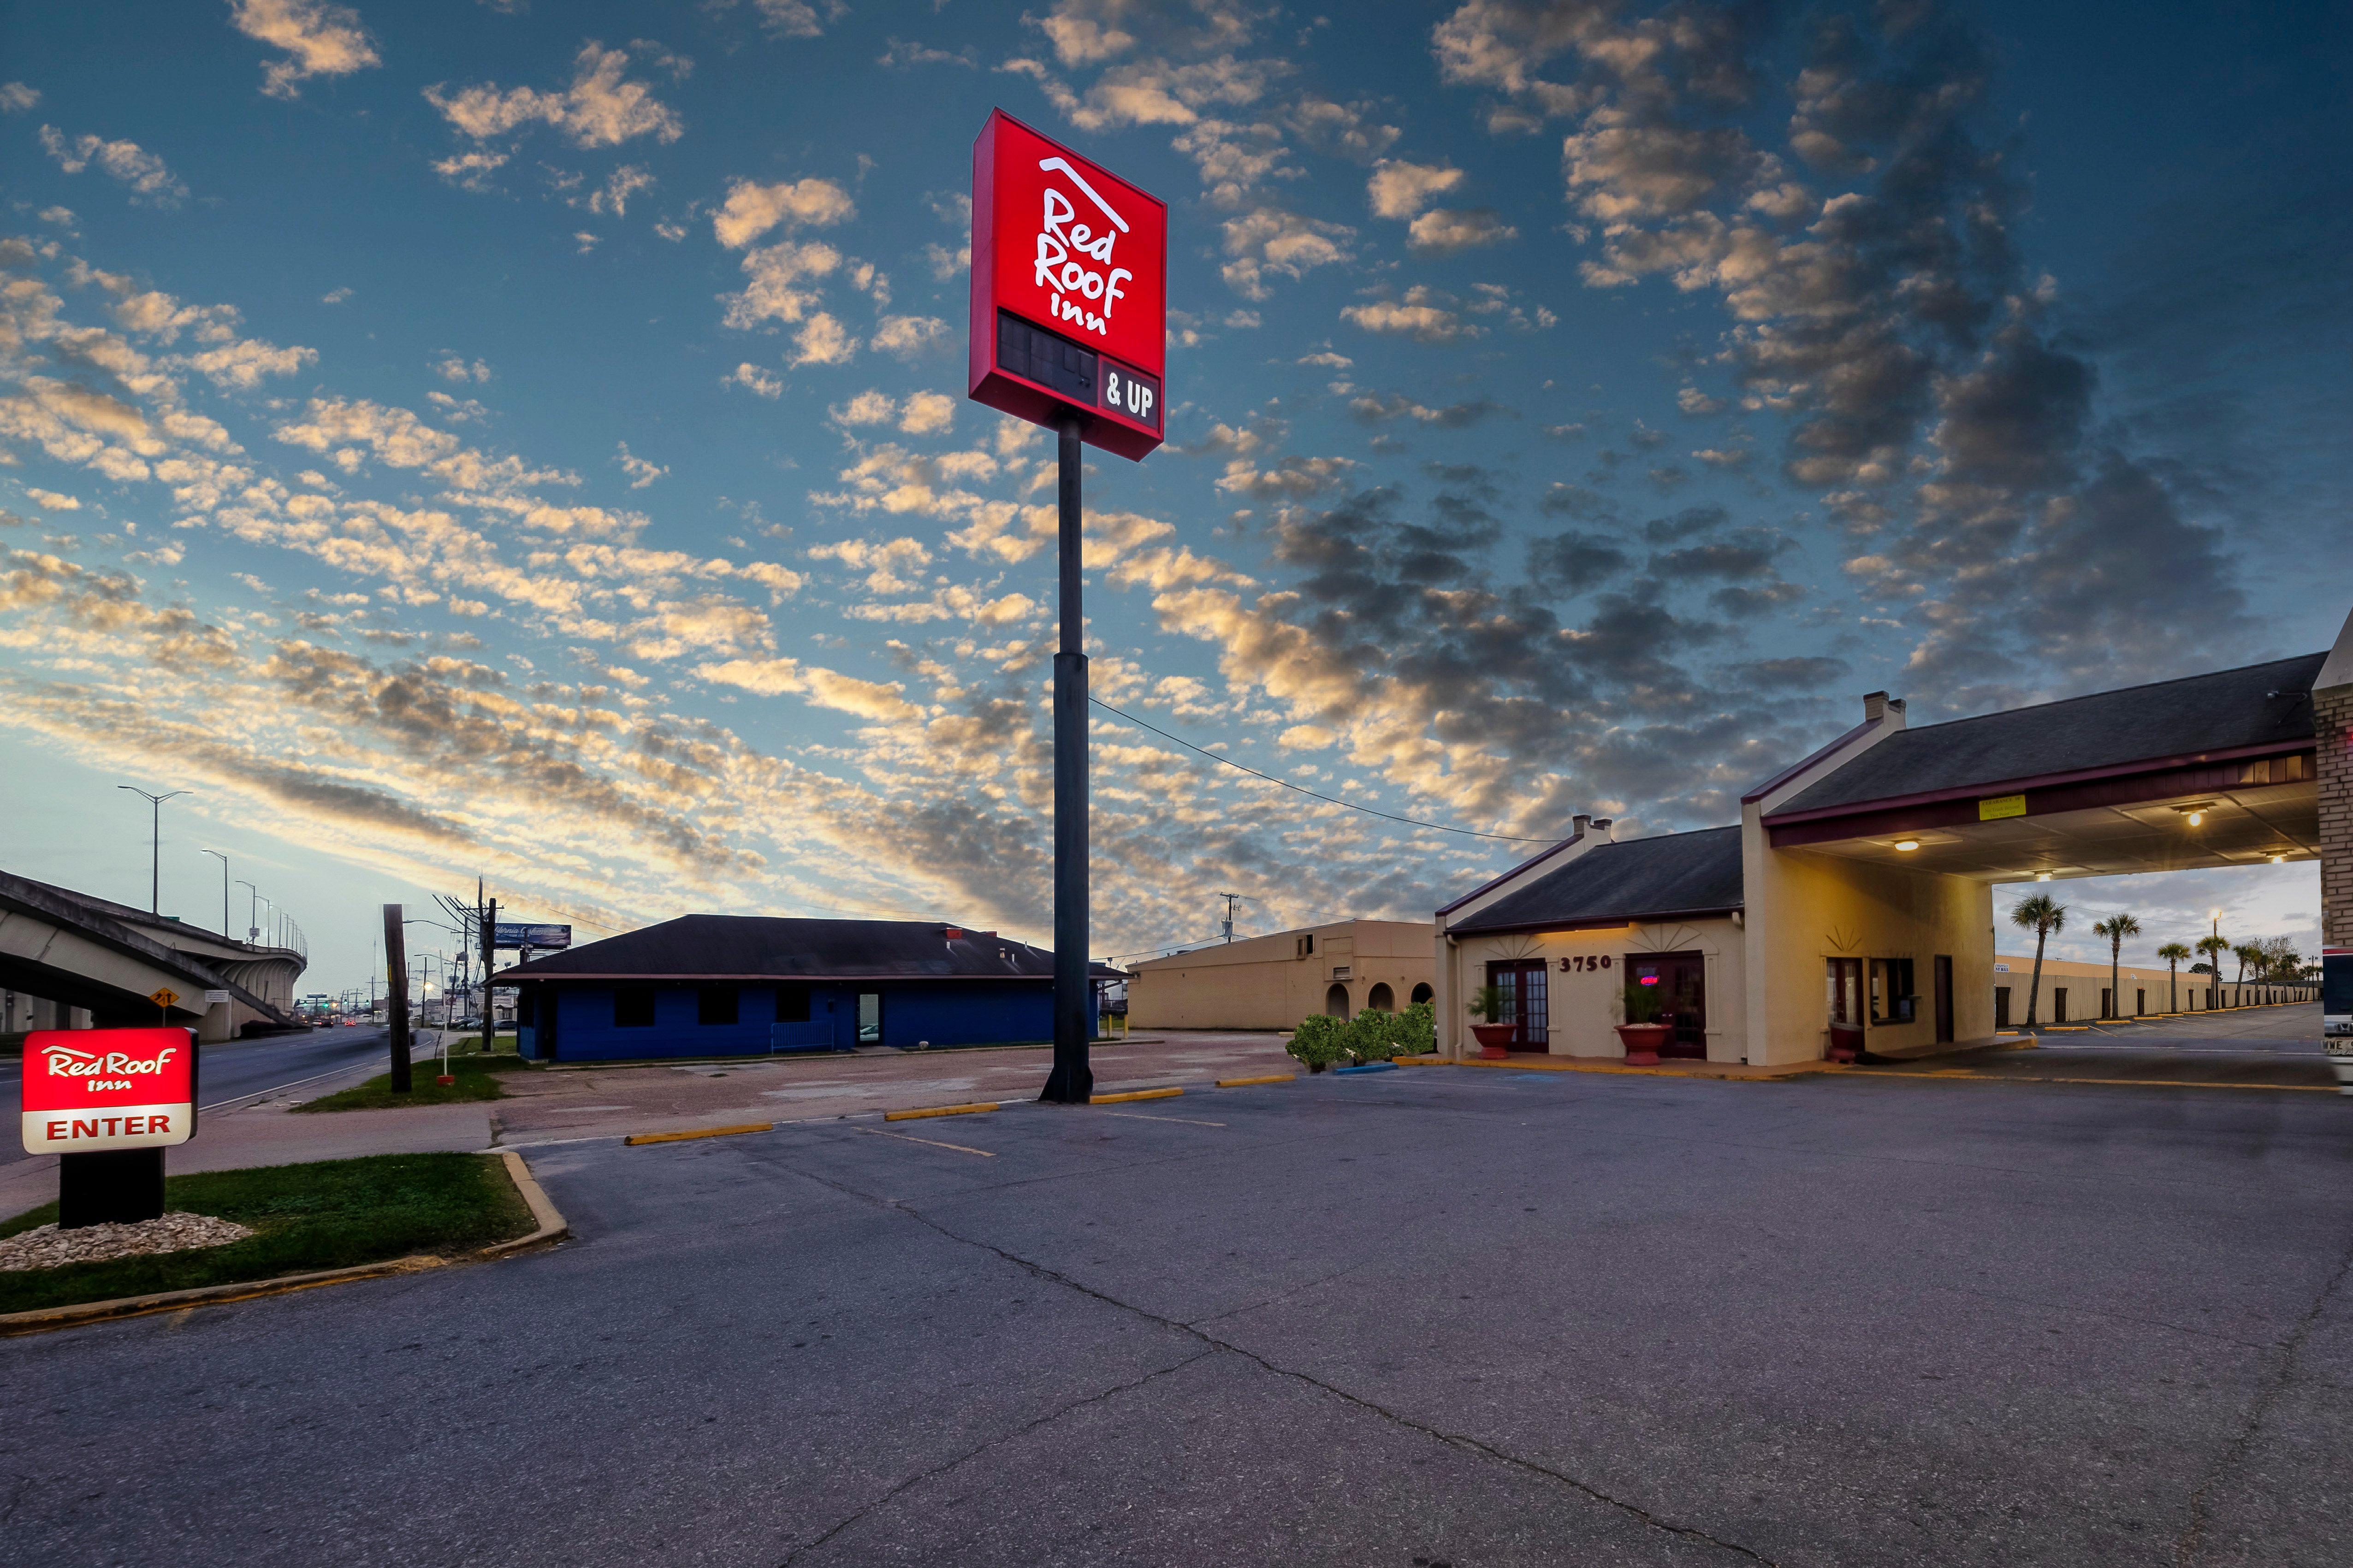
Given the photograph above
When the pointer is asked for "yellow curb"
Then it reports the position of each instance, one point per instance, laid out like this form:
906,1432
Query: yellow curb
552,1226
636,1138
1135,1094
938,1110
1271,1078
2064,1029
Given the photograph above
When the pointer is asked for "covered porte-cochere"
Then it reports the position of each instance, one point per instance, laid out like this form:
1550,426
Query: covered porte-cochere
1861,907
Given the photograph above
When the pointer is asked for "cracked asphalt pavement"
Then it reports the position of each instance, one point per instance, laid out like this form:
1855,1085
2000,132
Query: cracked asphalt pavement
1436,1316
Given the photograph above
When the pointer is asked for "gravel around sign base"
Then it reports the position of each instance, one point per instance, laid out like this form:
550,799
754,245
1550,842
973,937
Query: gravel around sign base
47,1246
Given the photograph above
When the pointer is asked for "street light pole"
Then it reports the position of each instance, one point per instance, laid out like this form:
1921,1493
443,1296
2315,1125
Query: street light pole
155,842
252,914
224,861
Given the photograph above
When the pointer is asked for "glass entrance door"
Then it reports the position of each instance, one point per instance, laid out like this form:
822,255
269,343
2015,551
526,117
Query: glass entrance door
1527,1005
1680,981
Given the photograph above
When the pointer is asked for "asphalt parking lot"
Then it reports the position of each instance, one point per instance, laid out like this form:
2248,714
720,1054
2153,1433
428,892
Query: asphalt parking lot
1431,1316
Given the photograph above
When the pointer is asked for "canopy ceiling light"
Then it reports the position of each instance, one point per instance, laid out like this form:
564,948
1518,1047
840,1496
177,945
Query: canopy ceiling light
2042,875
2196,811
1907,845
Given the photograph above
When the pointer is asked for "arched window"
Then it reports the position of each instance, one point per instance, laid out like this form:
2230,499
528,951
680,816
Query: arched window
1335,1002
1381,999
1422,992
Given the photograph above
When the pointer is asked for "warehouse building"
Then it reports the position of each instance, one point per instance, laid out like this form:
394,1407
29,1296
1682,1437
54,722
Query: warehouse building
707,985
1272,981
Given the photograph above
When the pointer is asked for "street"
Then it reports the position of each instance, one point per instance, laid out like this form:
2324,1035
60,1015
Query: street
1437,1315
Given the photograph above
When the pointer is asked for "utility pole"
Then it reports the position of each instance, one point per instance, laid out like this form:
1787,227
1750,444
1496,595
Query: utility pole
396,965
252,913
489,940
224,861
1231,899
155,846
1072,1081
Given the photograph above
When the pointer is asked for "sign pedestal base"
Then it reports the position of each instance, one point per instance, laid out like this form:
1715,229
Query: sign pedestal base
114,1186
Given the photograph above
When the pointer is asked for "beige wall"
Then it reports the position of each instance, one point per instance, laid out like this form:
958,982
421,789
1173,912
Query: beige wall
1805,910
1263,982
1587,1002
2084,982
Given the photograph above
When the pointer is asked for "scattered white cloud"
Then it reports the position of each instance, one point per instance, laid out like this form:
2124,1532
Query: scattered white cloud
471,170
1445,230
641,472
334,296
614,195
15,97
453,367
823,339
752,377
1400,189
908,336
50,500
144,173
601,108
319,40
753,209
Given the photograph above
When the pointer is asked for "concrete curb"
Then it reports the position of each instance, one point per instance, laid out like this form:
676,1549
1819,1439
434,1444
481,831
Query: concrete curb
634,1139
1270,1077
975,1108
552,1226
1133,1094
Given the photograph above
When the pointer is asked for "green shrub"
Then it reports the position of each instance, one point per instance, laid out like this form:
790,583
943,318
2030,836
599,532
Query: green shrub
1416,1030
1319,1041
1369,1039
1643,1003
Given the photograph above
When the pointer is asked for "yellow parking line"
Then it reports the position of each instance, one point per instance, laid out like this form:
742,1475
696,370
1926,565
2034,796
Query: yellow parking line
1270,1077
1135,1094
698,1132
973,1109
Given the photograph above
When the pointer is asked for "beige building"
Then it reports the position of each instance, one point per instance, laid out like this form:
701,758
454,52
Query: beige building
2075,992
1273,981
1858,891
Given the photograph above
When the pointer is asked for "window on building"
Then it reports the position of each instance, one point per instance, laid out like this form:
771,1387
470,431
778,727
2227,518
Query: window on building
1305,945
1844,982
716,1003
792,1004
1423,993
870,1018
1380,999
633,1007
1893,998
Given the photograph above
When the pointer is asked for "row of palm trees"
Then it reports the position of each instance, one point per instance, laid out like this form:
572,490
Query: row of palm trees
2043,915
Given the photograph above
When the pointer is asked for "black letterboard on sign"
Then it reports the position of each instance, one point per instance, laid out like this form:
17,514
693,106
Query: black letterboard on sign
1076,372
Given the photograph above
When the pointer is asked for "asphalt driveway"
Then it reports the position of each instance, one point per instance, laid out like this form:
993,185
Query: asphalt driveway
1420,1317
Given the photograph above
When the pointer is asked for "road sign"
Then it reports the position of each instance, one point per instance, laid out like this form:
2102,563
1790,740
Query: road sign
162,997
87,1090
523,934
215,998
1069,268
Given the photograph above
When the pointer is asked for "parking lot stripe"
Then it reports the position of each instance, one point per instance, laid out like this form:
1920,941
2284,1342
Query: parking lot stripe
698,1132
934,1143
1270,1077
973,1109
1135,1094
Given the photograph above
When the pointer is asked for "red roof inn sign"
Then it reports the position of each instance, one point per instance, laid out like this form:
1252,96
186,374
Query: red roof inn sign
1070,275
90,1090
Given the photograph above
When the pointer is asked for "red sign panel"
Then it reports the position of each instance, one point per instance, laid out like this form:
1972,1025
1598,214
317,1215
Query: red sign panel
1070,290
91,1090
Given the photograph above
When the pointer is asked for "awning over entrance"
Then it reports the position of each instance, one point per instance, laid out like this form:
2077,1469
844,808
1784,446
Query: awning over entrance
2215,770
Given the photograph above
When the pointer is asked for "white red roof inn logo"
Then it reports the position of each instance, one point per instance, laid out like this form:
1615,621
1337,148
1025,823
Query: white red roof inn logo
1060,231
89,1091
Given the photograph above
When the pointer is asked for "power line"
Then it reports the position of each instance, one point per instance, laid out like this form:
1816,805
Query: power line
1352,805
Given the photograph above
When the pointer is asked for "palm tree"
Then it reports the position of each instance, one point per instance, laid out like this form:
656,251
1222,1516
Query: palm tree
2116,928
2173,952
2041,914
2214,947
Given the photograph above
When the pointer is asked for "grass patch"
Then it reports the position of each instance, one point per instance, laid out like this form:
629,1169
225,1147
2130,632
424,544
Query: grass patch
330,1214
477,1078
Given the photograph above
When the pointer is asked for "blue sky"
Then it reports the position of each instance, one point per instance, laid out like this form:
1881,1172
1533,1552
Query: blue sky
529,440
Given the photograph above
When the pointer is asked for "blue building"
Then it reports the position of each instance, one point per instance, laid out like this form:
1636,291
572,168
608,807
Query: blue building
709,986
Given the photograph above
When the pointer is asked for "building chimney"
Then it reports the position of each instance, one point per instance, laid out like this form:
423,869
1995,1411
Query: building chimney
1602,828
1577,825
1874,707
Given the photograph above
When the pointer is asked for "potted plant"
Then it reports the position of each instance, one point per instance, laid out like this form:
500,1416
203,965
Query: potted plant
1643,1032
1495,1035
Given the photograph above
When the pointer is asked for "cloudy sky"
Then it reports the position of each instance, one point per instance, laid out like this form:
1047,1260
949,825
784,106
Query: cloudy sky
528,438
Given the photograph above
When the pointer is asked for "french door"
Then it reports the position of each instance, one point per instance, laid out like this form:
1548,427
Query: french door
1527,1005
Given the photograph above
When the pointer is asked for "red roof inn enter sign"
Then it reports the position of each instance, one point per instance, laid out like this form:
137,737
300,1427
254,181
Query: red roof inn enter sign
1070,290
87,1090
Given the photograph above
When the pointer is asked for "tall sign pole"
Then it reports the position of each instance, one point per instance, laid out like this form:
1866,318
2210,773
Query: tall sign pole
1069,330
488,938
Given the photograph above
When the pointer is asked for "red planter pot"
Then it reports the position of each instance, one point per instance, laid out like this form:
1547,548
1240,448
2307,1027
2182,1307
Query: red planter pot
1846,1042
1642,1042
1495,1040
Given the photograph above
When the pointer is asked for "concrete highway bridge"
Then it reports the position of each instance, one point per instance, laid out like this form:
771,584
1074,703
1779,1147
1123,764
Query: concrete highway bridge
71,961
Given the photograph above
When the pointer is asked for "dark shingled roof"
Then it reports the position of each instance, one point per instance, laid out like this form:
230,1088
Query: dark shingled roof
1642,878
2232,709
760,947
